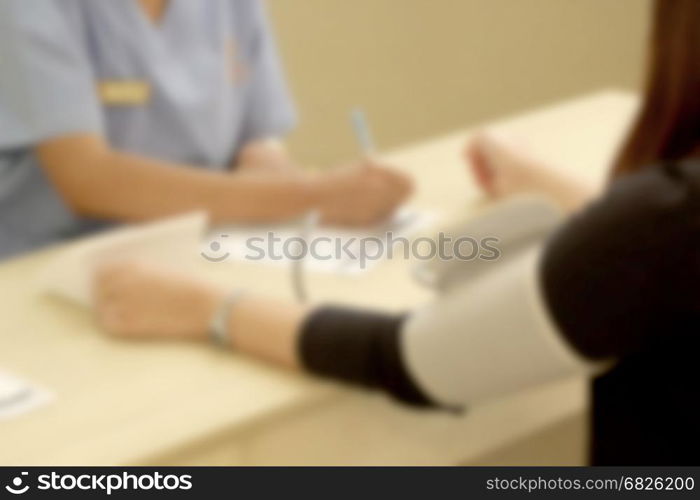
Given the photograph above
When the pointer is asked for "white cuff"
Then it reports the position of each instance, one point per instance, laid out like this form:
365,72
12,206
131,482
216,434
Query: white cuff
488,337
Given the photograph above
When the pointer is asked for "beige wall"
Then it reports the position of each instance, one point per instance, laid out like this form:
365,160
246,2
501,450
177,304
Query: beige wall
423,67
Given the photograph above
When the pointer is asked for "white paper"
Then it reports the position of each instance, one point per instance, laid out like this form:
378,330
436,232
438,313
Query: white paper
18,397
266,244
173,241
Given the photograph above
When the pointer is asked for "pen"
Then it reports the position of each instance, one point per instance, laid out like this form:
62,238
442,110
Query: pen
362,132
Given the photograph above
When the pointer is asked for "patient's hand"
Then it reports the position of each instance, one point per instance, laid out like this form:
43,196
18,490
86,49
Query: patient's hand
135,299
502,168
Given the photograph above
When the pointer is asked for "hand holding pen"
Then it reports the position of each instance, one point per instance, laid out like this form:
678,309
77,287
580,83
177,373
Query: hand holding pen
365,193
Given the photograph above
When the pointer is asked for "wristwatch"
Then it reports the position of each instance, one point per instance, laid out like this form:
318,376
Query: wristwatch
219,326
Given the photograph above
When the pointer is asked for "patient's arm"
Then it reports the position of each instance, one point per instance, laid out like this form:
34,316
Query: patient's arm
139,300
457,350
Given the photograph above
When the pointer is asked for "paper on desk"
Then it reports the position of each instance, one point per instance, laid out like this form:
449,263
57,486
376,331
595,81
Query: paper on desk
174,241
335,250
18,397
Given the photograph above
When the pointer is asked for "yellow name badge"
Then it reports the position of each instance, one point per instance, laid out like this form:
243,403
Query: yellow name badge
124,92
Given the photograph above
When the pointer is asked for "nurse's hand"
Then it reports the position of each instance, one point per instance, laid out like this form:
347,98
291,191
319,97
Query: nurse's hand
140,300
362,195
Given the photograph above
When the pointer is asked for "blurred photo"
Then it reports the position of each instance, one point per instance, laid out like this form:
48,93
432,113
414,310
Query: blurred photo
357,149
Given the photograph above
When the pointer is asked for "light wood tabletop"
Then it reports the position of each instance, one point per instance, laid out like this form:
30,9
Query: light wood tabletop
126,403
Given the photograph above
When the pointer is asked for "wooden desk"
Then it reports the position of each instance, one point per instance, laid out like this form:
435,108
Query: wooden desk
164,403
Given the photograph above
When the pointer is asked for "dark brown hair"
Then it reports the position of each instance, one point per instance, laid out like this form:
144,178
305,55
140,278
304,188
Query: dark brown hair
668,124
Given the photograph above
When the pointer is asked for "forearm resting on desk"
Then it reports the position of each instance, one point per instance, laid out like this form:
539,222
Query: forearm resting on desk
268,154
136,300
100,182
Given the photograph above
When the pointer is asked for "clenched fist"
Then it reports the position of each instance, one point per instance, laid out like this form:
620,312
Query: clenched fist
136,299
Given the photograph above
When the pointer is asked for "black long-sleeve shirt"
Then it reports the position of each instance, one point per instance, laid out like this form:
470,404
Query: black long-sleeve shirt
621,280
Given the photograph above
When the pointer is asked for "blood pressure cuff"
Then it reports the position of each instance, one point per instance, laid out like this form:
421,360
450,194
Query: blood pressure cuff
361,348
488,337
608,284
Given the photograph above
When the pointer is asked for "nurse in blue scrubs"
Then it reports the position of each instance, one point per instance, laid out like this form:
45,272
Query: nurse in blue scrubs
126,110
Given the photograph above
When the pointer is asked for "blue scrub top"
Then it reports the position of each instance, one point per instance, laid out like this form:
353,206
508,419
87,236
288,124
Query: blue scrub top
192,89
